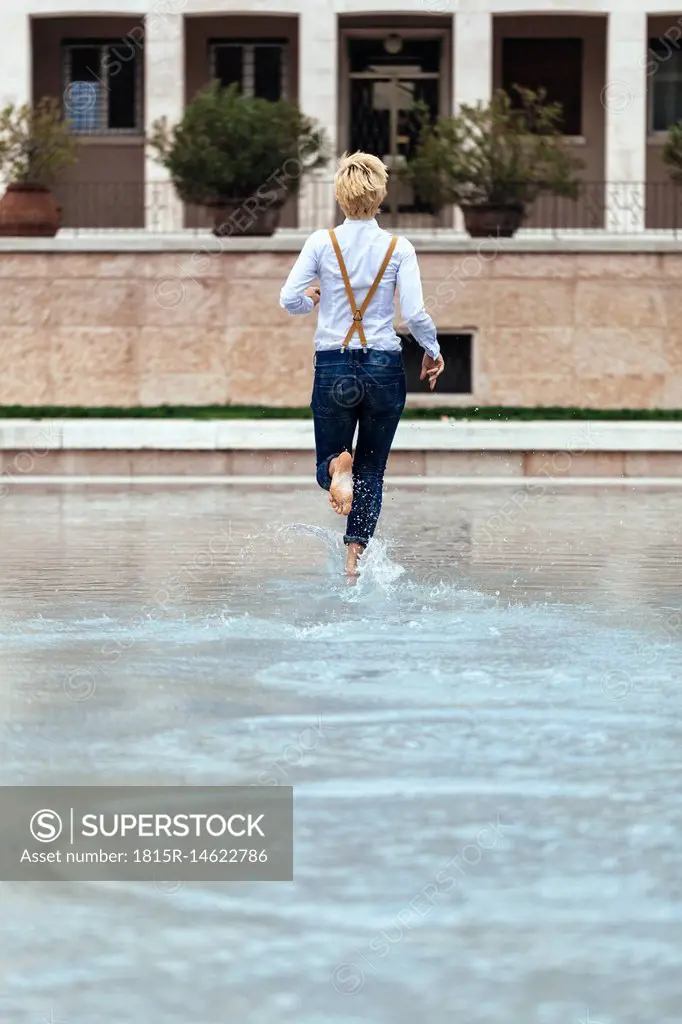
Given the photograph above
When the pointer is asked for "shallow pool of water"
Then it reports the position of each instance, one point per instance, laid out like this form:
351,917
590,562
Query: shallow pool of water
484,736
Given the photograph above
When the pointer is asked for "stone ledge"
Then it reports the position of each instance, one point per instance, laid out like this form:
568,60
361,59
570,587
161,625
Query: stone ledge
546,467
539,436
291,241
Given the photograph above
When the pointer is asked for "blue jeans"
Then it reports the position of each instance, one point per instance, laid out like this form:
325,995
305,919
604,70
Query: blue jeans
364,387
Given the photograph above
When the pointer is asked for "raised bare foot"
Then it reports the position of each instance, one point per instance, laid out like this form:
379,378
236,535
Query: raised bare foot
353,553
341,489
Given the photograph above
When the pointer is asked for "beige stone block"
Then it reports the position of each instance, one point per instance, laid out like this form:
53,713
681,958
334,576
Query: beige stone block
25,301
458,266
25,264
406,464
93,366
671,264
546,465
81,302
34,460
459,305
197,302
16,464
257,305
76,463
257,266
512,351
672,390
613,304
84,265
534,265
620,350
499,464
627,391
618,265
270,367
201,262
180,350
25,376
525,304
672,344
653,464
183,389
265,463
179,463
672,298
96,463
531,390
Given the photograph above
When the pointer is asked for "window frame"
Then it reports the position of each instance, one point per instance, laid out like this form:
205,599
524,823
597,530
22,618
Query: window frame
68,45
248,66
660,75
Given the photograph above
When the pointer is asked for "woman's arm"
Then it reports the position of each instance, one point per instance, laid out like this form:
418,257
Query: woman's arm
293,296
412,303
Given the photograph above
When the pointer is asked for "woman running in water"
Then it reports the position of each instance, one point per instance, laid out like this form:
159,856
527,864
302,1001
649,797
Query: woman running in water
359,376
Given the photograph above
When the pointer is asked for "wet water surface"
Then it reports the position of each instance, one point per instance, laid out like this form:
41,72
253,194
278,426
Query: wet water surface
484,736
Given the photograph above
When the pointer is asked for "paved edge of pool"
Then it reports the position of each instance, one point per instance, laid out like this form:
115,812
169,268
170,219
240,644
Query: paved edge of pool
452,449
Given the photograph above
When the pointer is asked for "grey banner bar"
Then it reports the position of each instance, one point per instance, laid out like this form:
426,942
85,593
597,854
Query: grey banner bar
146,833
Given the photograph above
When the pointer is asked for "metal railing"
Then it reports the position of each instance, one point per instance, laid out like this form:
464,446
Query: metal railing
615,208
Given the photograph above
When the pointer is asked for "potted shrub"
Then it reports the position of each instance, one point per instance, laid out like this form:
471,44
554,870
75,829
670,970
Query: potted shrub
493,160
240,155
35,146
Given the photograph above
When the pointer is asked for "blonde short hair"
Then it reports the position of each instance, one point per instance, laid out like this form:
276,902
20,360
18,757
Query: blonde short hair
360,184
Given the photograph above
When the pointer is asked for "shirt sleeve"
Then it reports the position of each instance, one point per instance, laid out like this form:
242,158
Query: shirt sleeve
303,273
412,303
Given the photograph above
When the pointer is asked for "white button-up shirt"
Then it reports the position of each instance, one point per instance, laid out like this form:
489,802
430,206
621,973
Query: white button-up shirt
364,246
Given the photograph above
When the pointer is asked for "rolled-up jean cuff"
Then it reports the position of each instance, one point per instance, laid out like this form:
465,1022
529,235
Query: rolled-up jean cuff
323,477
356,540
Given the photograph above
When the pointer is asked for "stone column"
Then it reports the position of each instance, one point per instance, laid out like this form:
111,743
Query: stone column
473,65
164,60
624,101
318,86
16,63
15,58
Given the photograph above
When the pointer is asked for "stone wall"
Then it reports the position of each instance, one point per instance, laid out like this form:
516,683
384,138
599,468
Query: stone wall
593,329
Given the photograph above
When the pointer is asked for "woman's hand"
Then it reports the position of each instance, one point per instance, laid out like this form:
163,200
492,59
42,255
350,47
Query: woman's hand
314,294
432,368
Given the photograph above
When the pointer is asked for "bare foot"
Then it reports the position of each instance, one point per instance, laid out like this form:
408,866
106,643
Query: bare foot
341,490
353,555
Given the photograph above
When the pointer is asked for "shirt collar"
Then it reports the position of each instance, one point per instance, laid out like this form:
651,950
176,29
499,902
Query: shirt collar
359,222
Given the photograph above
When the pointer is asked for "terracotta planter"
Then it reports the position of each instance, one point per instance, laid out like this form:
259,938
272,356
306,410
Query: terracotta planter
29,211
236,217
491,219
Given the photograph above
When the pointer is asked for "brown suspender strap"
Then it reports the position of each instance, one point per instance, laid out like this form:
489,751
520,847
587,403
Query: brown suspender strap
358,313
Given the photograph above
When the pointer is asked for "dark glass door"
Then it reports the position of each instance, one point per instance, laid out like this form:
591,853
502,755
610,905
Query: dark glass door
384,92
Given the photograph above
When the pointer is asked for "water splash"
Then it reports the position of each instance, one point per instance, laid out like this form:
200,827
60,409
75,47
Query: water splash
377,569
330,539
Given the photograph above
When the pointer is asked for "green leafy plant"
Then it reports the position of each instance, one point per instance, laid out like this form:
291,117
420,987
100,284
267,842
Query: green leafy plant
500,153
228,145
672,152
35,143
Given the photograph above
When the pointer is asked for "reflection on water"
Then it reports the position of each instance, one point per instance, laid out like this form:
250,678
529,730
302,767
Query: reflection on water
483,734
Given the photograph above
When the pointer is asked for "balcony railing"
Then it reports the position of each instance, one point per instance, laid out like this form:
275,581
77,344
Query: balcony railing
614,208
